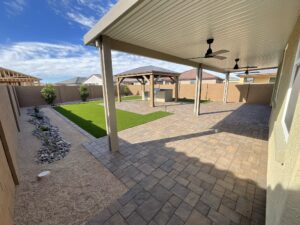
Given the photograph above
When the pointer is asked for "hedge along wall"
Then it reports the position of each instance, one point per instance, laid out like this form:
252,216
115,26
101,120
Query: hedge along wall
9,116
249,93
31,95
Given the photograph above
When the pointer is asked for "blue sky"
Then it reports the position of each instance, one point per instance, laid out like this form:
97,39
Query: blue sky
45,38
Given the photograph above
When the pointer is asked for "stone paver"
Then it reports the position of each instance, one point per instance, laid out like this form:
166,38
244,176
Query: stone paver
183,169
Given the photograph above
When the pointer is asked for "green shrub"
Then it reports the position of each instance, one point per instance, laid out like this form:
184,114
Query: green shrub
126,91
48,94
84,92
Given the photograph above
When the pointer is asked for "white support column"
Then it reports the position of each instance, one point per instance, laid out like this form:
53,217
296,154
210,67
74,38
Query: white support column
226,84
108,94
198,91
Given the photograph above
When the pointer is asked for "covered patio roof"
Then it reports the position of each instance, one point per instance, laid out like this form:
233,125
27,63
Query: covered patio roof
178,30
254,31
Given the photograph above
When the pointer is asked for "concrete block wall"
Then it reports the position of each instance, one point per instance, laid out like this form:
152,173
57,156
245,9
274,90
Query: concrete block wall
248,93
31,95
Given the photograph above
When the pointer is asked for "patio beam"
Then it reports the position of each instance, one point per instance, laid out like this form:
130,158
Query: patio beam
108,94
137,50
198,90
226,84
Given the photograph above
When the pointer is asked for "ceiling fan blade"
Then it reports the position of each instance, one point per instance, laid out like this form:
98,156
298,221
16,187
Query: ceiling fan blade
219,57
197,57
223,51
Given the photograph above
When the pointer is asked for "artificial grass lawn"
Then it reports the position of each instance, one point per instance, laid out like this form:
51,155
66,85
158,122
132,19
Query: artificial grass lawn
90,117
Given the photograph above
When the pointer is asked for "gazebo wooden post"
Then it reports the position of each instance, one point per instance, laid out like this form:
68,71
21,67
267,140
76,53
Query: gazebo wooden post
108,93
176,88
226,84
143,88
118,89
198,91
152,90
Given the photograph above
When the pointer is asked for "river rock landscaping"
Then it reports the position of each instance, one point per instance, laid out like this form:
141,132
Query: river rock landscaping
54,147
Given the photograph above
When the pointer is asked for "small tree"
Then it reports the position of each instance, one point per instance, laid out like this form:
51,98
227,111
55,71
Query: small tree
48,94
84,92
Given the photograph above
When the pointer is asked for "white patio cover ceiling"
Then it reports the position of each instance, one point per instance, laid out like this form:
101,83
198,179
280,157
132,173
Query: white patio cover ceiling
255,31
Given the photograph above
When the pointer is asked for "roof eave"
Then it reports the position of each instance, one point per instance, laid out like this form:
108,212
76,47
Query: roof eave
115,14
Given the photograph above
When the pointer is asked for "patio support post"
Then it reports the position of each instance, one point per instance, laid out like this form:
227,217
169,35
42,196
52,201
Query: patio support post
226,84
198,91
151,90
118,89
176,88
108,93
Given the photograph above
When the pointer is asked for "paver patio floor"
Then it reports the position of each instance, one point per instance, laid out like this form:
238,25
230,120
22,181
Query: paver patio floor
183,169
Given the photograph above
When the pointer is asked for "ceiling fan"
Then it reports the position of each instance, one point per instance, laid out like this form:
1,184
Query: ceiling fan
237,67
210,54
247,72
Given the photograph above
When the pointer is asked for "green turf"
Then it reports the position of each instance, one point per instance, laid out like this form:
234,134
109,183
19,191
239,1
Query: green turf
90,117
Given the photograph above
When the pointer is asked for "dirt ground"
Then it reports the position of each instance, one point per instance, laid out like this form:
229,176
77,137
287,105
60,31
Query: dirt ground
78,187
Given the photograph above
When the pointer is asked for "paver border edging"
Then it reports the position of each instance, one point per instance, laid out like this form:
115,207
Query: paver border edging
82,131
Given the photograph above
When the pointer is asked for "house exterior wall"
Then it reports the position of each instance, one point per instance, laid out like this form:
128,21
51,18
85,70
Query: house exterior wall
257,80
94,80
283,178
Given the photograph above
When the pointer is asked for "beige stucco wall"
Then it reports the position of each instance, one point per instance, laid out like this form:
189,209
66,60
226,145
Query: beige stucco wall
31,95
250,93
283,181
8,163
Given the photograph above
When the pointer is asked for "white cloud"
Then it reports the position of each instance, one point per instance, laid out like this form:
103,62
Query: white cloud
84,12
14,7
53,62
82,20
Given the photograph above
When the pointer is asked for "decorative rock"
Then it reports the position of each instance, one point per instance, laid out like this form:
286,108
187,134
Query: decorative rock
54,147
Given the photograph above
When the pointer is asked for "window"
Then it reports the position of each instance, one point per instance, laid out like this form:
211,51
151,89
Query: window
292,97
248,80
272,80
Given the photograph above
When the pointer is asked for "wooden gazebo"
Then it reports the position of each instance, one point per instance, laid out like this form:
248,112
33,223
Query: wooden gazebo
148,74
11,77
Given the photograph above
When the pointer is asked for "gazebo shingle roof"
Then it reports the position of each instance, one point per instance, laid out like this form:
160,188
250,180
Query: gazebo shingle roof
148,70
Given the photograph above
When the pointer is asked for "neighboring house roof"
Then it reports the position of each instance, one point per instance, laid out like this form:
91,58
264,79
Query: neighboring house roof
96,75
8,76
147,69
258,75
191,75
74,80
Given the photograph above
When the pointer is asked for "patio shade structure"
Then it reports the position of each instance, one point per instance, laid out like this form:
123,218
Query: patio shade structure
148,74
177,30
11,77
